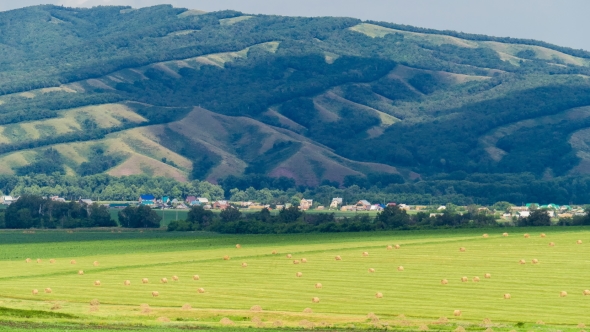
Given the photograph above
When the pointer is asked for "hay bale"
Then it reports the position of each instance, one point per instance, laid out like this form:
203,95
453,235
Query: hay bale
460,329
389,247
35,292
526,236
51,261
444,282
145,308
226,322
315,300
579,242
581,326
318,285
94,302
464,279
196,277
540,322
457,313
274,252
371,270
38,261
587,292
28,260
423,327
372,316
522,262
304,260
256,308
244,264
543,235
186,307
295,262
81,272
488,276
475,279
163,319
338,258
443,320
535,261
97,283
155,294
56,306
299,274
289,256
174,278
397,246
504,234
507,296
365,254
127,283
400,268
48,290
278,323
73,261
226,258
563,294
96,263
551,244
307,310
379,295
238,246
164,280
462,249
486,321
485,236
306,324
201,290
145,281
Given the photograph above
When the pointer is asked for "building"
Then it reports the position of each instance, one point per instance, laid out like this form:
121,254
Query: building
7,200
363,205
336,202
203,200
523,214
85,201
220,205
305,204
147,200
190,199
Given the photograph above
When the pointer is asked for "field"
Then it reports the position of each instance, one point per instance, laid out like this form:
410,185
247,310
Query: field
413,299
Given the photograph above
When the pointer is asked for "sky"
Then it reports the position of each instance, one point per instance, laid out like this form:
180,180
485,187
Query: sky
561,22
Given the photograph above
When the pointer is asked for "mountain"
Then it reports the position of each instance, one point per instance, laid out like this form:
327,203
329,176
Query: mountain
186,94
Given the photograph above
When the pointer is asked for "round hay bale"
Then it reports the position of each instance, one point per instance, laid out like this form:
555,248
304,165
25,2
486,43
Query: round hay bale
196,277
579,242
35,292
464,279
507,296
51,261
308,310
444,282
563,294
372,316
581,326
475,279
226,322
379,295
97,283
299,274
48,290
587,292
371,270
145,281
485,236
94,302
315,300
423,327
389,247
552,244
145,308
295,261
504,234
201,290
365,254
226,258
28,260
175,278
522,262
164,280
274,252
397,246
163,319
526,236
443,320
56,306
81,272
38,260
244,264
535,261
304,260
289,256
318,285
338,258
73,261
238,246
457,313
96,263
256,308
488,276
400,268
462,249
155,294
127,283
543,235
540,322
278,323
186,307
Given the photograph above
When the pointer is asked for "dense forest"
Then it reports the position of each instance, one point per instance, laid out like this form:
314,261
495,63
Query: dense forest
111,102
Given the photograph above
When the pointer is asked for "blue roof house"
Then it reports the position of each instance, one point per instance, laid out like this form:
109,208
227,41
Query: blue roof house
147,200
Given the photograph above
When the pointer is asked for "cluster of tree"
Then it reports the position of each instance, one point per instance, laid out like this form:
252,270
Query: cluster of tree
139,217
37,212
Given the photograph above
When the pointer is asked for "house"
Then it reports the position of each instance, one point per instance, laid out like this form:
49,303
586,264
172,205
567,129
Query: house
442,208
391,204
280,207
376,207
85,201
321,207
203,200
336,202
403,207
220,205
507,216
165,199
181,206
565,215
363,205
348,208
519,208
523,214
190,199
147,200
7,200
305,204
57,199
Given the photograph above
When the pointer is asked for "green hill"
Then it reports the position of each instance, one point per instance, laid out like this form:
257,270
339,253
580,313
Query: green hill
193,95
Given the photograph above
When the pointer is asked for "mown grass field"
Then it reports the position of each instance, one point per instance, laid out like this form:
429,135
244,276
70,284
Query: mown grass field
412,299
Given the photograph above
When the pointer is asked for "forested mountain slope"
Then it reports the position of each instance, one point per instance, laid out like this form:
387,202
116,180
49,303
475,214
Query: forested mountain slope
193,95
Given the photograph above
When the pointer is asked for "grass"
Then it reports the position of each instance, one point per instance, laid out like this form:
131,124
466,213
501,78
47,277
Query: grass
348,292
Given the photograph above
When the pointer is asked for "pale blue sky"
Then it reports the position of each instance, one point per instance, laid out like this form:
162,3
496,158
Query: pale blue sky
561,22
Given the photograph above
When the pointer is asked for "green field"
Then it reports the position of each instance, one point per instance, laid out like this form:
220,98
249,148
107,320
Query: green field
413,299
